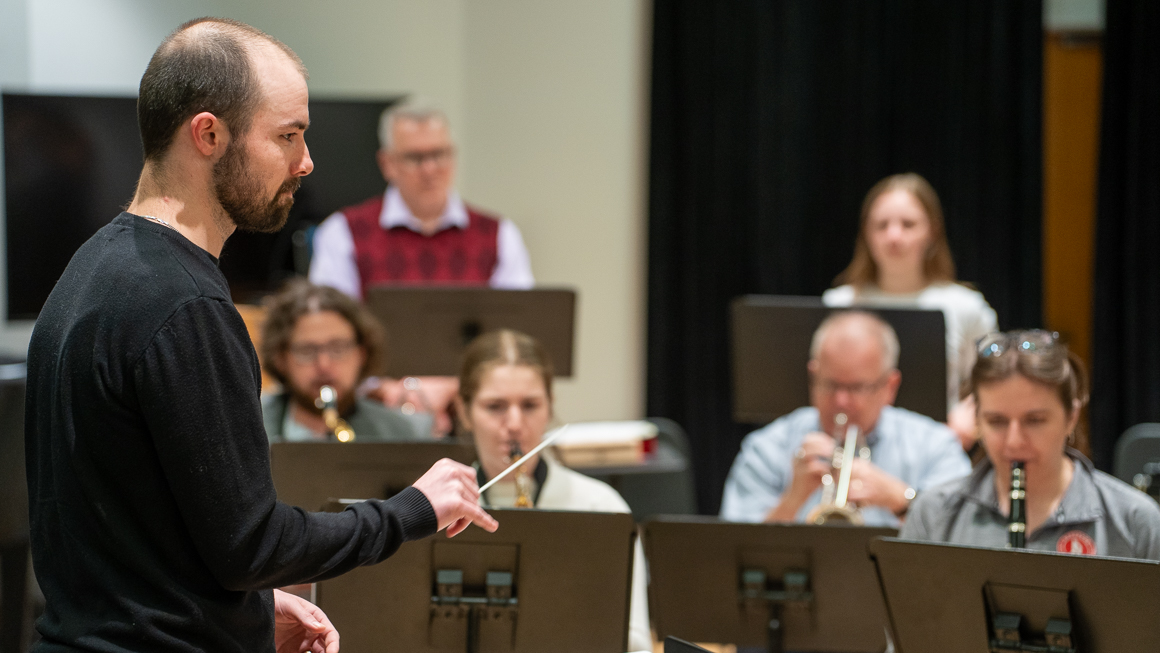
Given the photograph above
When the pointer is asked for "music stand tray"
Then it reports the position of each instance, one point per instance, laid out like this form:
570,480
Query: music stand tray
545,581
949,598
309,474
429,327
771,347
703,586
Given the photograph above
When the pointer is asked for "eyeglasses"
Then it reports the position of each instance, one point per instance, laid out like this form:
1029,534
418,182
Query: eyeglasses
1031,341
831,387
335,350
415,160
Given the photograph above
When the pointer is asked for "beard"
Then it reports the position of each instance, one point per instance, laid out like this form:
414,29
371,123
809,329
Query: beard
241,195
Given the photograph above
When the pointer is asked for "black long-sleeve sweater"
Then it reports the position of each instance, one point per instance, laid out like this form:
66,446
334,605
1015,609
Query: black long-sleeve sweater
155,525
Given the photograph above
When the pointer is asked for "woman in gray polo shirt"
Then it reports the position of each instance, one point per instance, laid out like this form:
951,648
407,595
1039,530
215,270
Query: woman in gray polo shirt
1030,390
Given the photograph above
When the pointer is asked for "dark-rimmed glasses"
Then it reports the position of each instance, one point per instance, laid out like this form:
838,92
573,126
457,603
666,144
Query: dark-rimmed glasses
335,350
415,160
831,387
1029,342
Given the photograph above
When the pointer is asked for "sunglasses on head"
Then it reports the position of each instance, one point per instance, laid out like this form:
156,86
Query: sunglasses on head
1031,341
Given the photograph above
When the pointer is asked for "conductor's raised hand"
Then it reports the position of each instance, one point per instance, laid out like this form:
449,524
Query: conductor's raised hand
301,626
454,494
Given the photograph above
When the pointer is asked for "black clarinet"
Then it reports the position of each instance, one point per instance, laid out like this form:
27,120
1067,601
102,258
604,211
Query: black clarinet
1017,521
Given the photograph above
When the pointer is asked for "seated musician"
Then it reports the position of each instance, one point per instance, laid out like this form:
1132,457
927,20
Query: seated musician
315,336
505,401
1029,390
777,476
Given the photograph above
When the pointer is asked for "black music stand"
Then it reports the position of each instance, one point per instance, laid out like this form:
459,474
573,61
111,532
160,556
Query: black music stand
545,581
771,347
309,474
960,599
805,588
428,328
678,645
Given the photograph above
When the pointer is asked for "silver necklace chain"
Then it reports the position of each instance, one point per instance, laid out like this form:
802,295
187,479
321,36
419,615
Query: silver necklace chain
152,218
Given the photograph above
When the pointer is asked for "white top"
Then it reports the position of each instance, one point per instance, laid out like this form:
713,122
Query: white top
968,318
333,263
565,489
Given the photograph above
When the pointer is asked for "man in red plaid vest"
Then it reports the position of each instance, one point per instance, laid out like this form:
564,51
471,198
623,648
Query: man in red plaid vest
419,231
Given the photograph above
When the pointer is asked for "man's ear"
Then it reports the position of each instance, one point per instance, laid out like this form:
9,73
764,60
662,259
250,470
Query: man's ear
893,380
386,165
210,135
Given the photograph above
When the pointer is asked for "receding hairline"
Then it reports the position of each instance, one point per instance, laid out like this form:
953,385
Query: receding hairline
867,326
192,34
416,110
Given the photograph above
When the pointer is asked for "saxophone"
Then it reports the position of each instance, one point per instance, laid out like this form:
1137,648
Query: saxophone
328,402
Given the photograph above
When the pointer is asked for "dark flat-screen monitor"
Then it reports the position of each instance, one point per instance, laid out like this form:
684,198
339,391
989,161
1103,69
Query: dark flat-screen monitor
71,164
771,347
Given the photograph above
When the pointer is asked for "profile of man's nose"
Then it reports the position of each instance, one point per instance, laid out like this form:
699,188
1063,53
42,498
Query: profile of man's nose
305,164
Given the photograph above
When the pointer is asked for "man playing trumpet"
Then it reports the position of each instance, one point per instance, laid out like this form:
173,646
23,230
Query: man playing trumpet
777,476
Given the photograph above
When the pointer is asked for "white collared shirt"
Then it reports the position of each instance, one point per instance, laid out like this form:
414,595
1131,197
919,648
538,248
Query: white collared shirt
333,263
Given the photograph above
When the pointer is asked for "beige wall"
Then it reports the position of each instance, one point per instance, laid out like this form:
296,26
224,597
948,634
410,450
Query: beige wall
547,100
554,139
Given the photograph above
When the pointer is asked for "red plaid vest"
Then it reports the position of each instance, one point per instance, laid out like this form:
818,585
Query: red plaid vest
452,256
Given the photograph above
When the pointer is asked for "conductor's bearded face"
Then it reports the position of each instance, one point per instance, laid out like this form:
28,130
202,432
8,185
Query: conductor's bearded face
256,177
511,406
244,197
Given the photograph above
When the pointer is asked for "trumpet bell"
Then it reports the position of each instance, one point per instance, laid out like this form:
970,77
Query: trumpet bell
829,514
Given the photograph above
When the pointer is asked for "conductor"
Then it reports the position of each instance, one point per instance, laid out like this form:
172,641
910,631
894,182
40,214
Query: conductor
155,525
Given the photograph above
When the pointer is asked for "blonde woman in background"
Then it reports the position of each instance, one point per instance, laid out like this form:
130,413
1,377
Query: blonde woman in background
902,260
505,397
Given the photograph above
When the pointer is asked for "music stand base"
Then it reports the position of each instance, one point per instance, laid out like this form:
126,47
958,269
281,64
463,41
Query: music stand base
774,634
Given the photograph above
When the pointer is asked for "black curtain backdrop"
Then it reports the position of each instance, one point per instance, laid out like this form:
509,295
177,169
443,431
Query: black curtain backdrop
1126,320
771,120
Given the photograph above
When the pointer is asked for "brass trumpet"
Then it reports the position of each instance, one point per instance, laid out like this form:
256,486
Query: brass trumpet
834,508
328,402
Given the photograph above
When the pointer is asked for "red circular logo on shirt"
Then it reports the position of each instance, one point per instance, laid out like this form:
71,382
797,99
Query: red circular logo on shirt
1077,542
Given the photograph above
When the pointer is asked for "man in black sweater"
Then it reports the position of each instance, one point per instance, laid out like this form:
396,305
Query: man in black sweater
155,525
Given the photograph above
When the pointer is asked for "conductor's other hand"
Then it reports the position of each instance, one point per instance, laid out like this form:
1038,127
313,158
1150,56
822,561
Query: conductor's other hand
454,494
301,626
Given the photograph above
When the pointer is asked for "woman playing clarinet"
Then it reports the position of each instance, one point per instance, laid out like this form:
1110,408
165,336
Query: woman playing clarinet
1033,488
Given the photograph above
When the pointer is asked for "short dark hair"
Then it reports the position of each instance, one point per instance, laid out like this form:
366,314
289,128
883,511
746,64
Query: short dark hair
299,297
196,70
